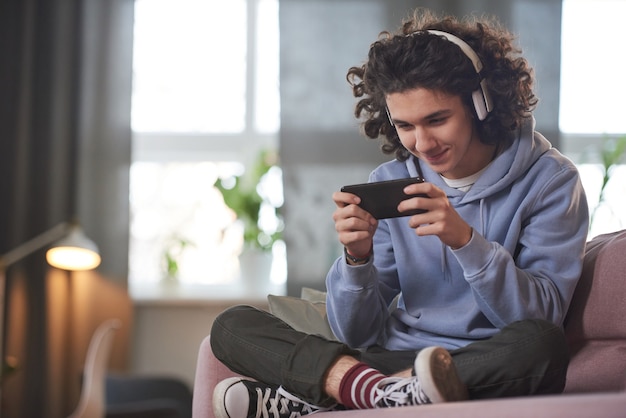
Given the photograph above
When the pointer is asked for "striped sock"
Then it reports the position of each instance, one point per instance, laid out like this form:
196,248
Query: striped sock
357,385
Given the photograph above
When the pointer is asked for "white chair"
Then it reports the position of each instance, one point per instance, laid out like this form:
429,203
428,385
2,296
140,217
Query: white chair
92,397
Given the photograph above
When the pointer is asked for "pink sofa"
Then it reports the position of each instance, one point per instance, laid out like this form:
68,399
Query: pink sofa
595,328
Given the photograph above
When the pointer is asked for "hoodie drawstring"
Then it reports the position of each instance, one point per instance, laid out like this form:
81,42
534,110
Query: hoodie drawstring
482,217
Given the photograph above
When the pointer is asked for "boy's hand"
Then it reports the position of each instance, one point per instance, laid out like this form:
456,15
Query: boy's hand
355,227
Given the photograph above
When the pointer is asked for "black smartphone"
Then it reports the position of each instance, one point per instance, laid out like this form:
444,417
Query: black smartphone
381,198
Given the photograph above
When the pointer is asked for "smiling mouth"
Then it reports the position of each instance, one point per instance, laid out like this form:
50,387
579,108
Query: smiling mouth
436,158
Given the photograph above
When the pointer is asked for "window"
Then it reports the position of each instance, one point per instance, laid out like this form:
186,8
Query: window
592,104
593,87
205,105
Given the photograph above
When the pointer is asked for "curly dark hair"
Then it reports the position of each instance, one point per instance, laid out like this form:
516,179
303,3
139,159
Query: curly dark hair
413,58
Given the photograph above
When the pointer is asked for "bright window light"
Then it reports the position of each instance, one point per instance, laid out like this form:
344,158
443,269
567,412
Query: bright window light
593,62
190,66
267,96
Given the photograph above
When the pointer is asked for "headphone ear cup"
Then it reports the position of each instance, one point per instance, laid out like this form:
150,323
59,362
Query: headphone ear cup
482,101
479,104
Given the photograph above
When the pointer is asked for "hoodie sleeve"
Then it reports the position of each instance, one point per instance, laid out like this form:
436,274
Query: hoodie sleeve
533,273
358,297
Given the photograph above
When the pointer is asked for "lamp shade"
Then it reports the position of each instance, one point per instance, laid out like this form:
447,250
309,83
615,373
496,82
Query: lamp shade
74,252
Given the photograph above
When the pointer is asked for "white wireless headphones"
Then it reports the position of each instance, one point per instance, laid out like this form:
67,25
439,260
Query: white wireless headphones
480,97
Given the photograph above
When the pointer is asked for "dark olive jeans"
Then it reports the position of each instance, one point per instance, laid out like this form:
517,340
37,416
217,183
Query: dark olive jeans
526,357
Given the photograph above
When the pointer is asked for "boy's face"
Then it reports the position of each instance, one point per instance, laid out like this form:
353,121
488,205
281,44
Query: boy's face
439,130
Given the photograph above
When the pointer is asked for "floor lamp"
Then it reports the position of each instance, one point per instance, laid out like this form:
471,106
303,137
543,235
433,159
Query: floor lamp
72,250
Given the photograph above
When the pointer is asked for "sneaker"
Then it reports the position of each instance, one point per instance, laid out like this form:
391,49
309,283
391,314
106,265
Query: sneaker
435,381
238,397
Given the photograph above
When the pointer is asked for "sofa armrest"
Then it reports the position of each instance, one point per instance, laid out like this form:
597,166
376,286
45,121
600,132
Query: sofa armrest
209,372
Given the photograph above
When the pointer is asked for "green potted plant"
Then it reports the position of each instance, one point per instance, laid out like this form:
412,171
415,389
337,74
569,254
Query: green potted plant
248,197
244,195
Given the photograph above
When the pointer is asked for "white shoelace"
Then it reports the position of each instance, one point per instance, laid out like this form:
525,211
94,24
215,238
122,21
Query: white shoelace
282,404
396,391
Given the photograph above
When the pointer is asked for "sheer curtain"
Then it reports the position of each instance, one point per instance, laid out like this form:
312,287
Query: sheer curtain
65,88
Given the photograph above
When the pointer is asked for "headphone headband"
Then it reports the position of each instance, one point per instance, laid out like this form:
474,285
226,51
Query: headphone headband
467,50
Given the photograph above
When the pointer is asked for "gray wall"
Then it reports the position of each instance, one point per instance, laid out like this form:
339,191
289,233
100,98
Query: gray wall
320,144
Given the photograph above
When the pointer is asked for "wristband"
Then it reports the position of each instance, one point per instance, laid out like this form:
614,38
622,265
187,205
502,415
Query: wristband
357,260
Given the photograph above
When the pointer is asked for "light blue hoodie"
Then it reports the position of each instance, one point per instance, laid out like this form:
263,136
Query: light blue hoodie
530,220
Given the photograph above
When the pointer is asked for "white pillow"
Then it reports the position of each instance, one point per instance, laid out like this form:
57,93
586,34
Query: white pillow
308,316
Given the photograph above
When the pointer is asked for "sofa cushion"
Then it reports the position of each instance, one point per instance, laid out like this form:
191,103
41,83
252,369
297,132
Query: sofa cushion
597,366
598,307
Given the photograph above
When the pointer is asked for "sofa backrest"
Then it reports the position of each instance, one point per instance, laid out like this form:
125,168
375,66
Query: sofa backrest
596,322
